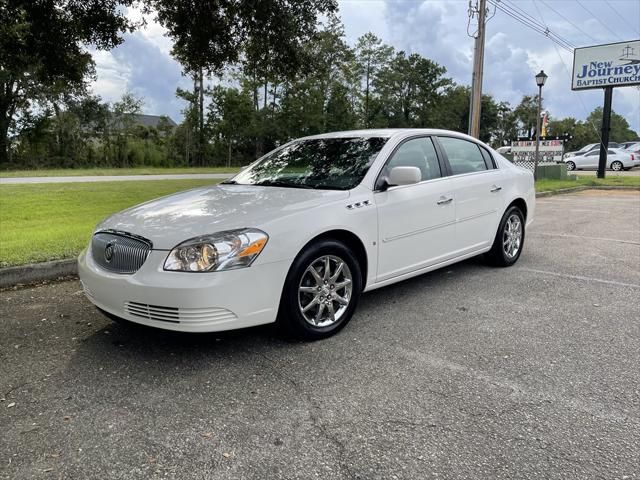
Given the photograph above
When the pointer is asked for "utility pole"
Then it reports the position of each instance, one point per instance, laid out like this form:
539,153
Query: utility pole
475,106
606,126
201,120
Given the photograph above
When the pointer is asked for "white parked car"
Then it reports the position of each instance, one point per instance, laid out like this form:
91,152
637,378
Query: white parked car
588,149
616,160
298,235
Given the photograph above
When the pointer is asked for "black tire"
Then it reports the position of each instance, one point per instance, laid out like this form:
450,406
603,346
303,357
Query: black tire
497,256
617,166
290,316
571,166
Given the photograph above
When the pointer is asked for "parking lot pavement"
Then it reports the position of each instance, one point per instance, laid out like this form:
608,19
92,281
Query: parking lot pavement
466,372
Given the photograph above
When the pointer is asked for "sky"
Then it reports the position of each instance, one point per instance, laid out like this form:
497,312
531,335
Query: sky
436,29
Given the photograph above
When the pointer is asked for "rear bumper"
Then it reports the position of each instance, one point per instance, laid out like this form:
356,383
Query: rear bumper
188,302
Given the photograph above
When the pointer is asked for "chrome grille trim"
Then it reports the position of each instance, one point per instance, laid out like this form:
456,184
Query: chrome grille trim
128,252
178,315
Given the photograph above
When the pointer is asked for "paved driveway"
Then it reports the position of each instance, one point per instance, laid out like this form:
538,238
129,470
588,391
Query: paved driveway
113,178
467,372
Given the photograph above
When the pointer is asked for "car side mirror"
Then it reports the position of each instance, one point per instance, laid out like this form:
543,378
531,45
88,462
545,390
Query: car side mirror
404,176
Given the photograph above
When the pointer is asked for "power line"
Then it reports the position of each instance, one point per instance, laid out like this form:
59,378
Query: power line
567,20
634,29
570,75
548,31
527,21
598,20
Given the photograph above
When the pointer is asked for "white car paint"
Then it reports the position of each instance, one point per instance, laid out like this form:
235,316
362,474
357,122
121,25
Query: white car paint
406,231
590,160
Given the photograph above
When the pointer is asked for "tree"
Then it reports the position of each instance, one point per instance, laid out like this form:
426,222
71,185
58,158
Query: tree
230,117
526,114
123,121
210,35
371,56
408,89
43,51
452,113
619,127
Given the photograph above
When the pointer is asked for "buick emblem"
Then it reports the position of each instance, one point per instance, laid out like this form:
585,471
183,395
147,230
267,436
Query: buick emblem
108,251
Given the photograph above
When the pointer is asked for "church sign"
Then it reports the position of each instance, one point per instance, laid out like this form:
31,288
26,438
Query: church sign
611,65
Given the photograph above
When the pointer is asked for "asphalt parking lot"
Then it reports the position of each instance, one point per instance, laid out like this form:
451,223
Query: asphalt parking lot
466,372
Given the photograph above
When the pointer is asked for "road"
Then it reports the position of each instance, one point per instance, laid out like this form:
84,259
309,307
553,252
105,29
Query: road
468,372
113,178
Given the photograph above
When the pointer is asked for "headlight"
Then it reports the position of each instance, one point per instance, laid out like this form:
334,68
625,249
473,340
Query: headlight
218,251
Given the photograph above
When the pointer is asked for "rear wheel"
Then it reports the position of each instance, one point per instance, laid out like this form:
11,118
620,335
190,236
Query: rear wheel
509,240
616,166
571,166
321,291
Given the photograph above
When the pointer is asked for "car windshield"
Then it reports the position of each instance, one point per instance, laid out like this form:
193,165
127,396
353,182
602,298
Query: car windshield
586,148
323,163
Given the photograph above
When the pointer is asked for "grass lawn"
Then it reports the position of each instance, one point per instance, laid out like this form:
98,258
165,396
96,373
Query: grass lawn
550,185
80,172
53,221
41,222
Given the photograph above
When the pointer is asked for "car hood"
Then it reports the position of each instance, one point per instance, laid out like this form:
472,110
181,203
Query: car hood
171,220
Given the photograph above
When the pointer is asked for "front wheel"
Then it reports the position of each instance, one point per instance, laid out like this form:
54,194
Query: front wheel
571,166
616,166
321,291
509,240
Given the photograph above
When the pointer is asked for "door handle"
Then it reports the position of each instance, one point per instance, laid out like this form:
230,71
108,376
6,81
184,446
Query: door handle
444,201
495,189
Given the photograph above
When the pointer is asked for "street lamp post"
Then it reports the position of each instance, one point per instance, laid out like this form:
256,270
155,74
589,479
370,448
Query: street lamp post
541,78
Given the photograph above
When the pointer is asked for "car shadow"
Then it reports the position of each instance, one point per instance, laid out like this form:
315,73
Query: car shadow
130,340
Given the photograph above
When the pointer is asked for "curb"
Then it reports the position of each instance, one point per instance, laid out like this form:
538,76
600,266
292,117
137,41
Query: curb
585,187
550,193
37,272
40,272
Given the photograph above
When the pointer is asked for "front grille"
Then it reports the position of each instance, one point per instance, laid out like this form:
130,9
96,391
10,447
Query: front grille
119,252
185,316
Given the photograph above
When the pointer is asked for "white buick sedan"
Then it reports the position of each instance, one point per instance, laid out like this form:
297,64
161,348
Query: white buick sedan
298,235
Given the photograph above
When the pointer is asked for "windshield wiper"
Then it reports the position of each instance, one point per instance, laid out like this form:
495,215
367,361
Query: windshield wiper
277,183
229,182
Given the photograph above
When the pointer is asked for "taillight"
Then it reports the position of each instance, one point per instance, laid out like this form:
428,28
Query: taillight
632,157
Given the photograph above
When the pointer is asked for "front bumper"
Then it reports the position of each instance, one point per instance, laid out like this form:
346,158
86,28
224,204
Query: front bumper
187,302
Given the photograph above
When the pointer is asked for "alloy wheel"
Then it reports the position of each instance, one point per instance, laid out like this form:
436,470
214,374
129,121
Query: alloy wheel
617,166
325,291
512,236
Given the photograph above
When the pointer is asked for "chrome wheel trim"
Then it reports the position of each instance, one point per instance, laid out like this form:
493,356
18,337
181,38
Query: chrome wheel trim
571,166
324,292
512,236
616,166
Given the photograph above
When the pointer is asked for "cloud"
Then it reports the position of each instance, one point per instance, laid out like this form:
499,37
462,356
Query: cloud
143,65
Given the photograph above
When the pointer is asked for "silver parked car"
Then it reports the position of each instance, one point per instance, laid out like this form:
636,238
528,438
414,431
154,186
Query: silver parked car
588,149
616,160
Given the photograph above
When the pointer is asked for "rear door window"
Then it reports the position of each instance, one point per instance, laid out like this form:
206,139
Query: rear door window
464,156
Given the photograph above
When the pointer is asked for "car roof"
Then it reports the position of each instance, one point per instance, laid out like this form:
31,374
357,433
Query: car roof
388,133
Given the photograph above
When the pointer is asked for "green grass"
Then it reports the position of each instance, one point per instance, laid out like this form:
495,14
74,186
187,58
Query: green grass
551,185
79,172
54,221
41,222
